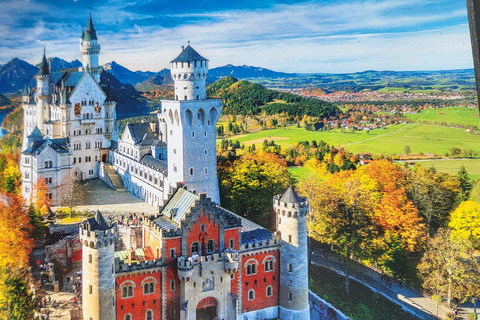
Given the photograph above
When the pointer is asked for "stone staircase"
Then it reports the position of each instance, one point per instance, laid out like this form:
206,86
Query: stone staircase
114,177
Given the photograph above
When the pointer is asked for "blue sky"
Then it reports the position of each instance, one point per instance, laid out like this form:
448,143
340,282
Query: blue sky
291,36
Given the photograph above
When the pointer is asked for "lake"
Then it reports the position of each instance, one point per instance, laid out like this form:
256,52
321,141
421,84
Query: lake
2,115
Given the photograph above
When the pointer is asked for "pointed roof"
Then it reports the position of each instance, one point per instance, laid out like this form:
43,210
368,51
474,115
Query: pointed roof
109,93
25,90
44,70
97,222
189,54
36,134
83,34
91,33
290,196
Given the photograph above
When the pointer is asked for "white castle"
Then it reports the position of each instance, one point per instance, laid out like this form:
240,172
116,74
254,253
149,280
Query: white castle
70,132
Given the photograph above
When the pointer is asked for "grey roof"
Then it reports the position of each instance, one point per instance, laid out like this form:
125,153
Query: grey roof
179,204
154,163
290,196
58,145
36,134
189,54
74,78
141,133
91,33
97,223
164,223
44,69
256,235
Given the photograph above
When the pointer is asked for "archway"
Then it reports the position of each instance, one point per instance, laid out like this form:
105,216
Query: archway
207,309
104,158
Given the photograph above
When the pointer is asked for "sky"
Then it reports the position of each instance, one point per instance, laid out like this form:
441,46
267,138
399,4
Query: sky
322,36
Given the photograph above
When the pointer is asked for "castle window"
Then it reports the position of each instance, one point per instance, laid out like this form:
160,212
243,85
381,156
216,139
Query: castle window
232,243
205,151
290,296
27,175
27,160
289,238
149,315
204,133
201,116
172,285
279,220
149,287
189,117
269,265
172,253
252,268
206,171
210,246
89,258
128,316
185,98
197,96
191,171
290,267
193,134
269,291
203,227
251,294
127,289
90,289
195,249
172,311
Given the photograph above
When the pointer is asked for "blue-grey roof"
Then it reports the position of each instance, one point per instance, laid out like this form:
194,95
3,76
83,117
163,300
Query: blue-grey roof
164,223
189,54
58,145
44,69
74,78
141,133
91,33
179,204
97,223
154,163
290,196
36,134
256,235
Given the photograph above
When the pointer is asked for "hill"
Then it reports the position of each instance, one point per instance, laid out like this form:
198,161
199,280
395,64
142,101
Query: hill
247,98
244,72
15,74
57,64
4,101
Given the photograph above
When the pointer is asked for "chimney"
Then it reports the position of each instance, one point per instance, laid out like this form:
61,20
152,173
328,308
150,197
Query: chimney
183,48
132,254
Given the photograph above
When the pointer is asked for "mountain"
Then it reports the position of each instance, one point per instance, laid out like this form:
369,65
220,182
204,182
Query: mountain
57,64
244,72
127,76
15,74
4,101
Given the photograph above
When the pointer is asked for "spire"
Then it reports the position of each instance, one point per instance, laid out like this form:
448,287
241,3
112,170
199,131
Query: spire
25,90
109,93
290,196
44,70
189,54
91,33
83,34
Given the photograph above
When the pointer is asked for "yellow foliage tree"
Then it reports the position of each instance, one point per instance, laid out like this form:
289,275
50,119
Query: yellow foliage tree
465,222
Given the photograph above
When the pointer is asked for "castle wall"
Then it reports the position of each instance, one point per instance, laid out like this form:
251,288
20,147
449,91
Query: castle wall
129,237
66,252
171,296
195,234
141,301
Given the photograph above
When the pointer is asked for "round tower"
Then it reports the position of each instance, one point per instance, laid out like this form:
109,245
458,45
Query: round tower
98,268
90,50
291,219
43,93
189,71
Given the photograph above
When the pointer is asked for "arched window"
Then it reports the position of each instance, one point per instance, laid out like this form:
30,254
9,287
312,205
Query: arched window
195,249
177,119
128,316
269,263
170,115
210,246
127,289
189,117
251,268
149,315
213,115
269,292
251,294
201,116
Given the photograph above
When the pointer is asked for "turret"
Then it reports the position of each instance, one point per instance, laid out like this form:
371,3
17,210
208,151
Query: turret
188,125
90,50
98,268
291,218
43,93
189,71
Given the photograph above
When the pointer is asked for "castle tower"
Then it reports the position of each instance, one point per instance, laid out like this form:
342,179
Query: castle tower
43,94
98,268
291,218
191,127
90,50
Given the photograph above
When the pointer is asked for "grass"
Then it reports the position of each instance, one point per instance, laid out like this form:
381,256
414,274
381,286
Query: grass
453,166
298,173
361,304
454,115
388,141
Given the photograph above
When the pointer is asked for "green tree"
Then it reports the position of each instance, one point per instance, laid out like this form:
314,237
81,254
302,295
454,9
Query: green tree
407,150
16,301
466,184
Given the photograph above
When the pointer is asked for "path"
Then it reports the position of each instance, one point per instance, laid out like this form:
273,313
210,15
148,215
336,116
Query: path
382,135
410,299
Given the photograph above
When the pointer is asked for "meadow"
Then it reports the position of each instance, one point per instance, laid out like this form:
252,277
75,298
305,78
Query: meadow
453,115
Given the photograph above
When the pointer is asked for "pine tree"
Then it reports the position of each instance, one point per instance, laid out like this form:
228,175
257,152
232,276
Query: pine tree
466,184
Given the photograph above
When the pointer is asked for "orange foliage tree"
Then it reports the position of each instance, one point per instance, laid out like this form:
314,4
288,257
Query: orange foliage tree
40,197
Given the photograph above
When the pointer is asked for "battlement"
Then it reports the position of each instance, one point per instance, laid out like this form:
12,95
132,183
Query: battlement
97,238
290,210
121,266
274,241
186,265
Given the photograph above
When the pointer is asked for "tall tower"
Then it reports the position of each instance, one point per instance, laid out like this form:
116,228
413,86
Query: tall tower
291,211
191,126
90,50
98,268
43,95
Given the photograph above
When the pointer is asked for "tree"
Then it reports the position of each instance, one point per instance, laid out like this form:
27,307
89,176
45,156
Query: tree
466,184
71,193
248,184
16,301
448,266
41,197
407,150
465,222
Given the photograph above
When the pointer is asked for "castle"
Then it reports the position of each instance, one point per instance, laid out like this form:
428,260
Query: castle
197,259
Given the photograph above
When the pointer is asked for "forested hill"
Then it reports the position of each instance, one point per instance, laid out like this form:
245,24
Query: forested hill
246,98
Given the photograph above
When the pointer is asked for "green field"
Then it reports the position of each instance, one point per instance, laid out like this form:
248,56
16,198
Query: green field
454,115
389,141
299,173
452,166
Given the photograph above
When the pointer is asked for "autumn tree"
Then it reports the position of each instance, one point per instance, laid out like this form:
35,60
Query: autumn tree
465,222
448,266
71,193
41,197
407,150
249,184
